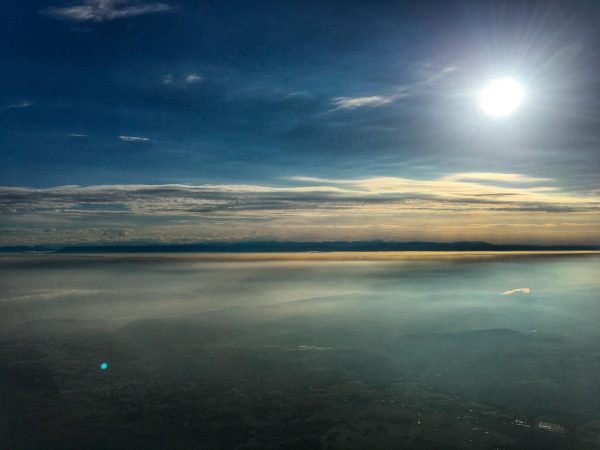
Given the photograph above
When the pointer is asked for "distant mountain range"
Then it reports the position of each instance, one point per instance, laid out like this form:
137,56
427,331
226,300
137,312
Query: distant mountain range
280,247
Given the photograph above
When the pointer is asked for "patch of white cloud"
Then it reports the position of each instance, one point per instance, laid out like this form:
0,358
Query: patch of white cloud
517,291
20,104
134,139
193,78
105,10
359,102
182,80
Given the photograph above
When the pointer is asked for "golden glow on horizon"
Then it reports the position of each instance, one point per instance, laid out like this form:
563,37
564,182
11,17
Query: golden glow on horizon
496,207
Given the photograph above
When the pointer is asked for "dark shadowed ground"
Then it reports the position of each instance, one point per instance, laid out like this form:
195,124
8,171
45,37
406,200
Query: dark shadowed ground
408,353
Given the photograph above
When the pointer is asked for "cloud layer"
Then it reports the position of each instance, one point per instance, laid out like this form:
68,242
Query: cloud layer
475,206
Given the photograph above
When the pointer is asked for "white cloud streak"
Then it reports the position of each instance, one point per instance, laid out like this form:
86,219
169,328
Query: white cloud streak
105,10
182,80
495,177
20,104
372,101
359,102
193,78
134,139
517,291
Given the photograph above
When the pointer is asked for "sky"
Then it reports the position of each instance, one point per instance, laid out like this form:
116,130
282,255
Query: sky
186,121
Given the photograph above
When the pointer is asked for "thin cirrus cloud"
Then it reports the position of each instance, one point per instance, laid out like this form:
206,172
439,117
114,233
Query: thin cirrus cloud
359,102
134,139
105,10
426,78
495,177
182,81
18,105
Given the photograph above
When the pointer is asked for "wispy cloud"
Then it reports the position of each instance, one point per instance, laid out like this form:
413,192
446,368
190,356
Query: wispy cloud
517,291
180,81
134,139
193,78
20,104
358,102
470,187
51,294
305,348
426,78
495,177
77,135
104,10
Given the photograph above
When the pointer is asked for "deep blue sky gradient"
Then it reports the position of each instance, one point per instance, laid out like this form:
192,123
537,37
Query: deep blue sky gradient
271,71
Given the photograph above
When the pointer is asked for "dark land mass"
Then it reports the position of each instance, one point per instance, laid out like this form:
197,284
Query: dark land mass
422,355
215,381
279,247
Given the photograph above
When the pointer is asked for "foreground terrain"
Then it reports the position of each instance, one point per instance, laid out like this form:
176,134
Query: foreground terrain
413,352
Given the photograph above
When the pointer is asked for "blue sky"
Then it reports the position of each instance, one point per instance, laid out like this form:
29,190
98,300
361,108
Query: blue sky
300,97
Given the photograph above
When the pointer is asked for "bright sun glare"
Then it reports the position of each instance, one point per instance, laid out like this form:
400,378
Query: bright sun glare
501,97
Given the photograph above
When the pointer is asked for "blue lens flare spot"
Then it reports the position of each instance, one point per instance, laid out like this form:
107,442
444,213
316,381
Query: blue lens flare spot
103,366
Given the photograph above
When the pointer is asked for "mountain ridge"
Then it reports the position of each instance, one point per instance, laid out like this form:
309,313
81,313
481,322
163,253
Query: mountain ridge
291,247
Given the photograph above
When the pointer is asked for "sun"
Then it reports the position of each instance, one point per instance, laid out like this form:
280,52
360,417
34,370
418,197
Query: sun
501,97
